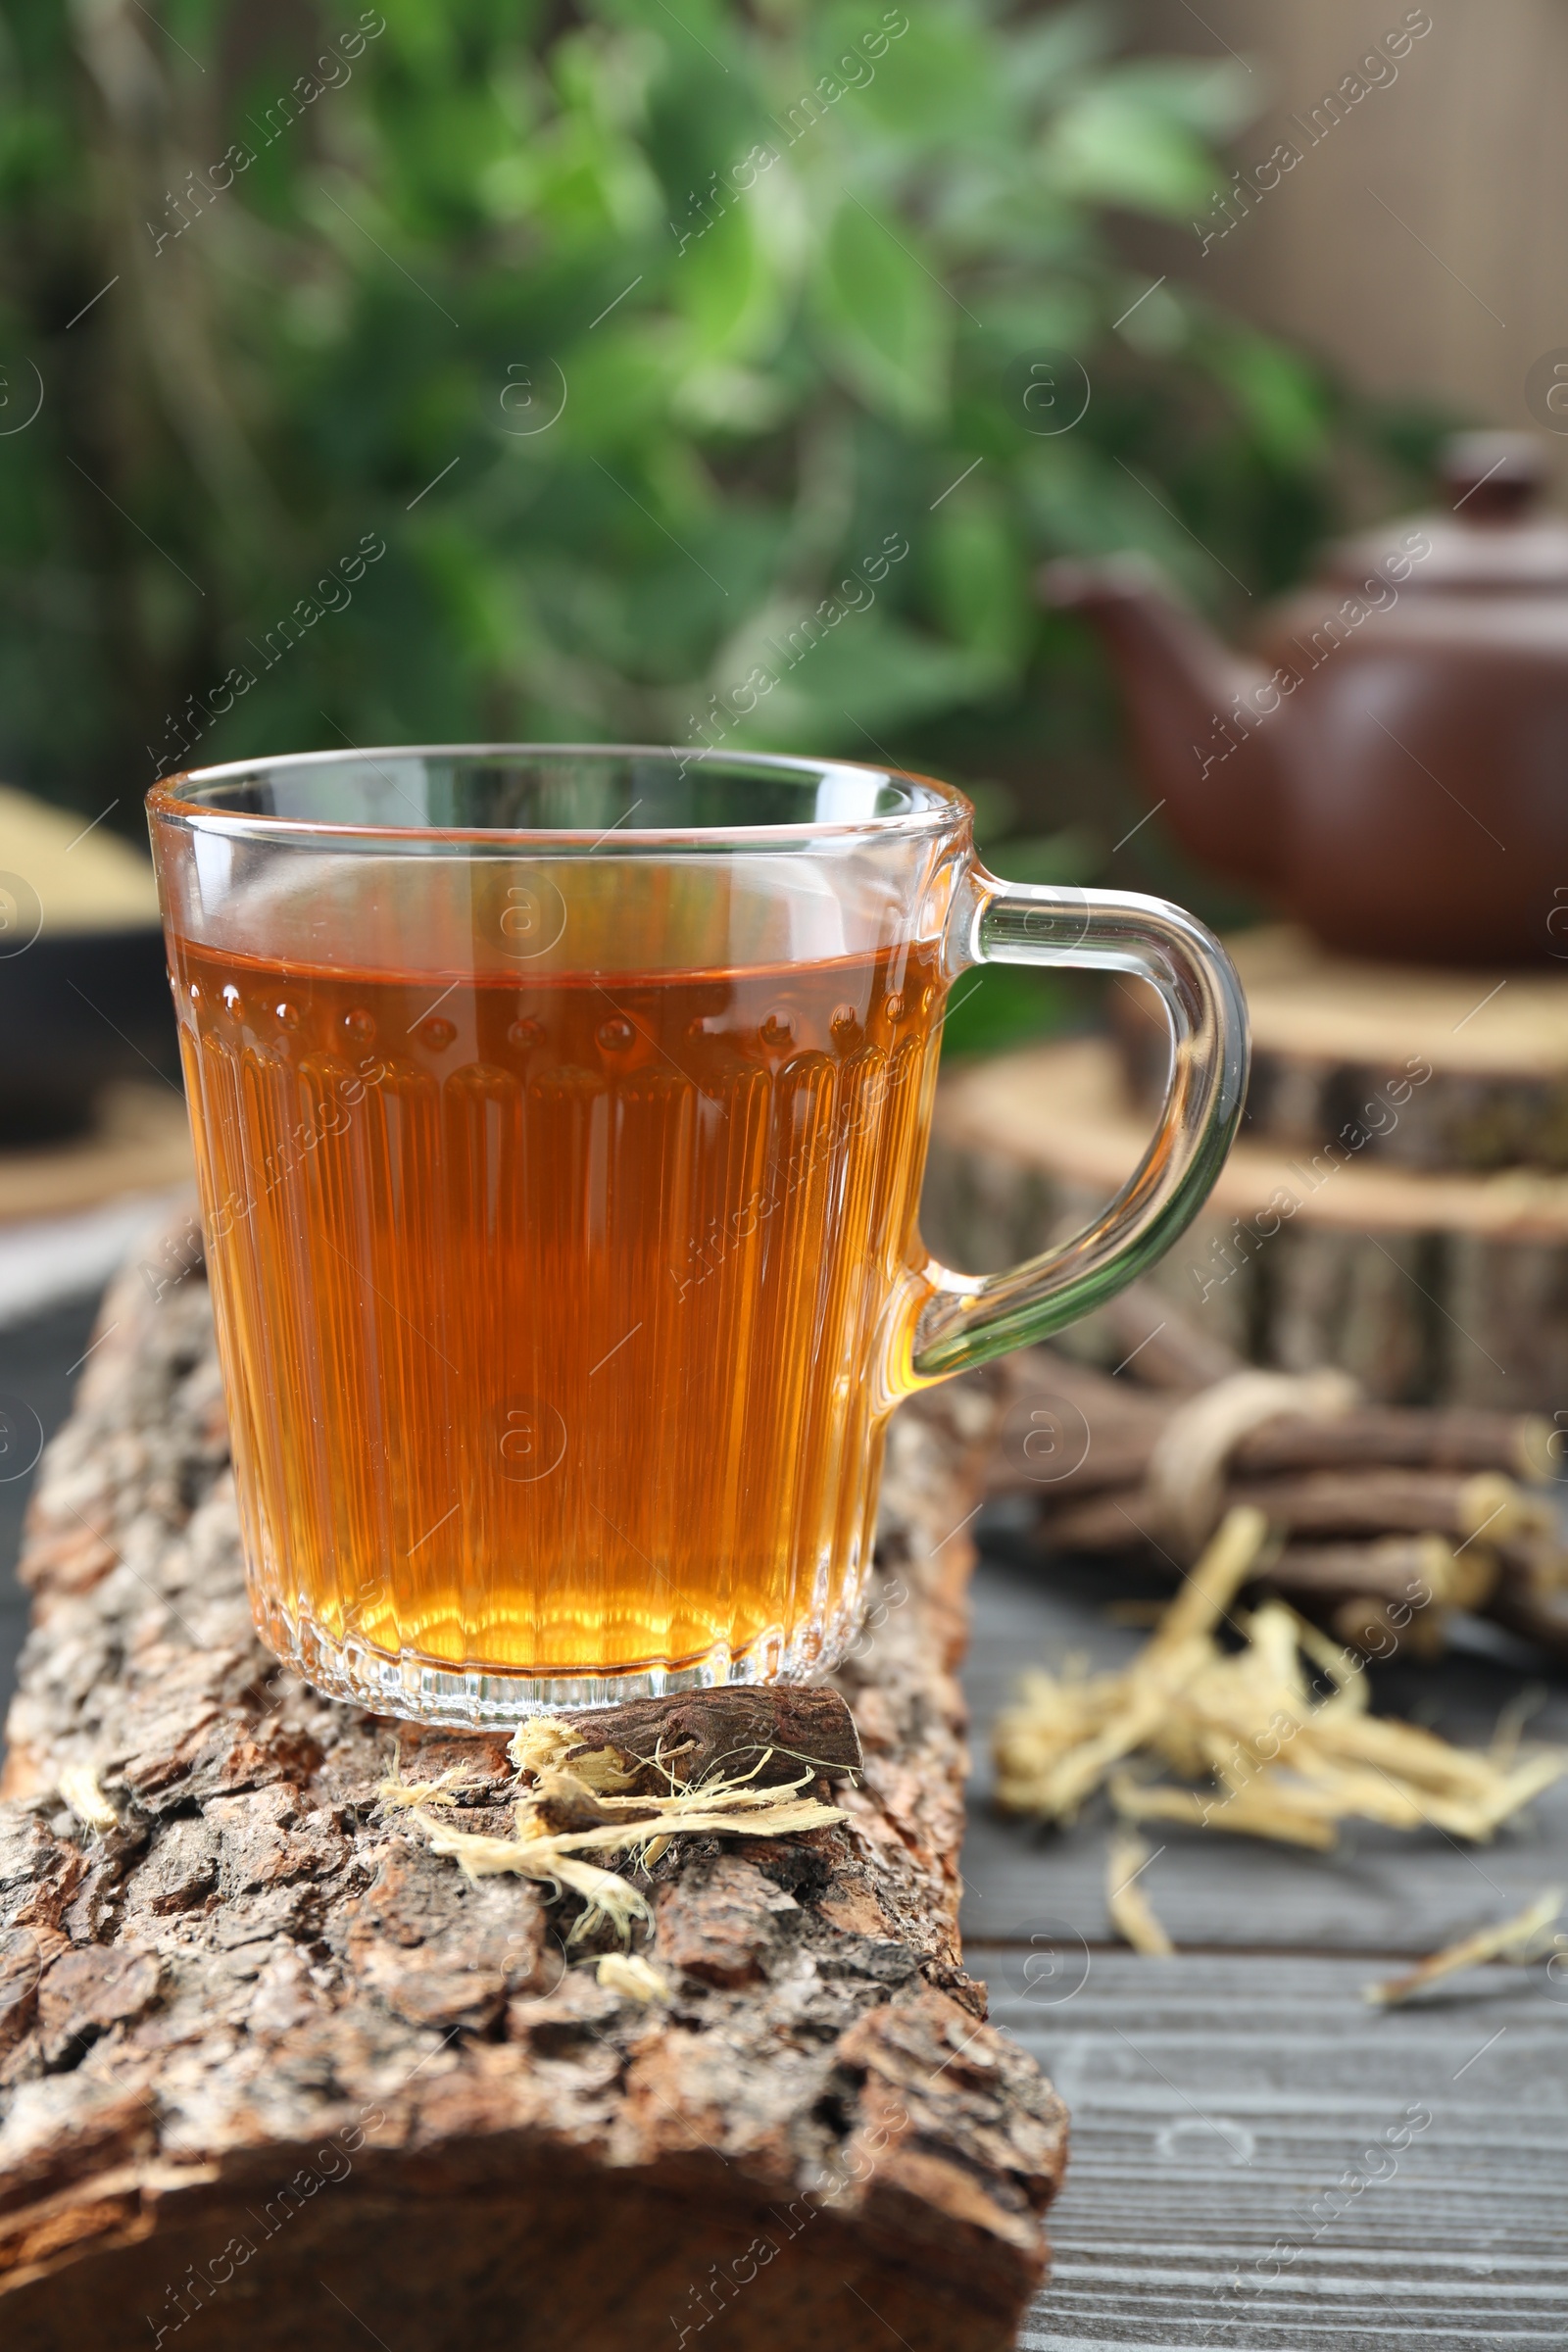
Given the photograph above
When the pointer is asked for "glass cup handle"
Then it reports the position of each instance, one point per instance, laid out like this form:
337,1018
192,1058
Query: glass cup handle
952,1321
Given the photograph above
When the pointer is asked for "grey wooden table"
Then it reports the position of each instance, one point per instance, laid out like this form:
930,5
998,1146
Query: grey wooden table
1261,2161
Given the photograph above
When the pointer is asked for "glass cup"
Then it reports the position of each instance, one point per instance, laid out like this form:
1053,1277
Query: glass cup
560,1118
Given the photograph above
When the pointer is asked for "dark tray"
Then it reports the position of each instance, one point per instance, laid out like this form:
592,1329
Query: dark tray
78,1008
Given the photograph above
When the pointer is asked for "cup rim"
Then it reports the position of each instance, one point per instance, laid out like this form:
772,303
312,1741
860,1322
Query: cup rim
935,806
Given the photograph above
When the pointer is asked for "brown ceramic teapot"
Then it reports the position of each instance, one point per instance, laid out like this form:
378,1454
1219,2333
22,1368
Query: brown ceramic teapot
1392,766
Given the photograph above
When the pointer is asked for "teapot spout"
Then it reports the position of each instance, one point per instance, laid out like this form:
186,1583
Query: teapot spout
1198,713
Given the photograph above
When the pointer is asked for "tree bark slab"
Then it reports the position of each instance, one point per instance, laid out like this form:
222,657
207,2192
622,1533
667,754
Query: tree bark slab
1430,1284
275,2075
1490,1051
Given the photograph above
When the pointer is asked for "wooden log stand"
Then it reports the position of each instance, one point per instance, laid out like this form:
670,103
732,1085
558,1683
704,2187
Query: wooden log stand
277,2076
1397,1203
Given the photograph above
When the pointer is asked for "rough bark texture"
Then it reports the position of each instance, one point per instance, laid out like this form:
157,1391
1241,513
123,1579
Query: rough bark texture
277,2076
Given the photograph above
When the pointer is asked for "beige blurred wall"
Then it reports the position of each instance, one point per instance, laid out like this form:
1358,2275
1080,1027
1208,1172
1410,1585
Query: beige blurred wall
1459,294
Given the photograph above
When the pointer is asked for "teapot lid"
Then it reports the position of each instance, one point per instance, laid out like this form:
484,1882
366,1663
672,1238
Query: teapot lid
1491,539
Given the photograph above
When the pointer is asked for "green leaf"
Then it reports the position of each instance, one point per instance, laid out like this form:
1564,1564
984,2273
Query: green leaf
1083,504
1002,1005
1111,148
1071,858
1214,100
619,382
1154,320
979,576
936,80
886,318
1048,55
732,279
1280,394
830,680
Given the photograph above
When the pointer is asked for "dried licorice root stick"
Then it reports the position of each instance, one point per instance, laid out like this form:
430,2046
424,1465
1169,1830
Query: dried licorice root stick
1375,1591
1323,1505
1379,1551
1530,1935
1124,1423
1386,1595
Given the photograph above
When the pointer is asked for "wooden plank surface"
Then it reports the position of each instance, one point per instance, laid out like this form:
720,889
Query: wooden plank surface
1225,2109
1219,2097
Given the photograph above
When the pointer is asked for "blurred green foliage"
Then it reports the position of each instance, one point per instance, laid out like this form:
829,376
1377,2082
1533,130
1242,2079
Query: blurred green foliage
638,336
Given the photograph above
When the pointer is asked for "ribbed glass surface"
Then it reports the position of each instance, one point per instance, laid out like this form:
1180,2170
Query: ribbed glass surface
548,1306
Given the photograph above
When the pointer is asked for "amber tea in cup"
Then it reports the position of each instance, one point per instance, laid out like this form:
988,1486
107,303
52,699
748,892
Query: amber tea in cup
560,1118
